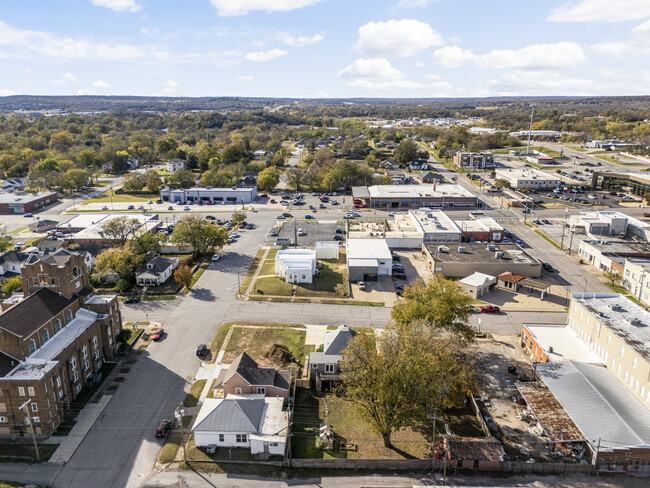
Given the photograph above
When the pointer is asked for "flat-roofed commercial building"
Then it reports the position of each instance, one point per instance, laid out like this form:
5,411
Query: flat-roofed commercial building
415,196
21,203
527,178
612,254
215,196
476,160
367,259
462,260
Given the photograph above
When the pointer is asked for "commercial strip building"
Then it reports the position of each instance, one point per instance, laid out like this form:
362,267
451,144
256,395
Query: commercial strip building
415,196
609,223
53,342
460,261
22,203
527,178
213,196
367,259
87,229
473,160
612,254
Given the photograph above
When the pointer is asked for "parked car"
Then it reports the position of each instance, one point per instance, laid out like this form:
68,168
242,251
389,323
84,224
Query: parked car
130,207
280,217
210,217
548,268
337,237
489,309
396,257
132,300
186,208
362,285
202,351
170,208
273,233
164,428
309,217
28,215
273,200
216,257
158,334
105,207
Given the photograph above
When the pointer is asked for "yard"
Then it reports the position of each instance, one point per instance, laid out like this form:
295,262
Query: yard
122,197
253,341
349,427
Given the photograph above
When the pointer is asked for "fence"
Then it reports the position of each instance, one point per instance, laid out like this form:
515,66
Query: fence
370,464
546,468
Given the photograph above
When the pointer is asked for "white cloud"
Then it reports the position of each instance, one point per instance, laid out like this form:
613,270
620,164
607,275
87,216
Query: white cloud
414,3
170,86
419,64
396,38
452,56
433,77
85,91
520,82
535,56
100,84
118,5
67,77
371,69
600,11
227,8
645,27
299,41
24,43
615,49
245,78
5,92
260,56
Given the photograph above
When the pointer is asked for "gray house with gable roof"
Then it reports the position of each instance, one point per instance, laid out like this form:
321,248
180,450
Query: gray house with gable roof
324,366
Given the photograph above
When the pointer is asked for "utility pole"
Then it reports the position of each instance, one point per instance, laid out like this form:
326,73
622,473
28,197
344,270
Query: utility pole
180,411
571,242
295,235
433,416
566,214
530,130
25,406
638,300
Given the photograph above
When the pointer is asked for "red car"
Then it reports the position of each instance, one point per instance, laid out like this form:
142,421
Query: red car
489,309
164,427
158,334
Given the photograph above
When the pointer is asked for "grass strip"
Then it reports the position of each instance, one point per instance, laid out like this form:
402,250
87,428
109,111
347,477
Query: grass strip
192,398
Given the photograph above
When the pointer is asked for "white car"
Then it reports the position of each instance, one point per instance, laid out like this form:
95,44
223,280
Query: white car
216,257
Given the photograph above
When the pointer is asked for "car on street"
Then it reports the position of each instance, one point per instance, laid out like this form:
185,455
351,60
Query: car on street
362,285
392,214
130,207
273,233
170,208
132,300
489,309
337,237
28,215
215,258
321,206
163,428
105,207
548,268
149,202
286,204
186,208
311,207
309,217
280,217
202,351
158,334
348,217
647,215
273,200
140,207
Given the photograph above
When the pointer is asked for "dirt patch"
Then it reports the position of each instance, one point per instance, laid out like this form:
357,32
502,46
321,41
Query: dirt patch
278,354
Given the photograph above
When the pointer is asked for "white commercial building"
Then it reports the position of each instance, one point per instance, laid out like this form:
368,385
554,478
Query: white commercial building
214,196
327,250
636,278
527,178
609,223
367,259
296,265
435,226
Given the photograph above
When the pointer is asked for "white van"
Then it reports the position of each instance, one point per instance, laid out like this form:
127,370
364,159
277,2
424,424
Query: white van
283,241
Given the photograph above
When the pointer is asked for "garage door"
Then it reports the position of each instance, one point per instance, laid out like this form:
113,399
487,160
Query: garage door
370,277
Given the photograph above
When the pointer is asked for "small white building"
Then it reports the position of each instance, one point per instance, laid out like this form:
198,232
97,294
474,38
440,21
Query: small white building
255,422
478,284
327,250
367,259
156,271
174,165
296,265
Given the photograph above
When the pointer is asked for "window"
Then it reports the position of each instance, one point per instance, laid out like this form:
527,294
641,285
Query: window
75,272
633,363
261,390
618,370
36,420
275,444
68,316
58,381
77,389
57,326
241,438
96,355
30,391
86,365
95,341
21,391
75,376
622,351
60,394
222,438
109,332
32,347
34,407
43,279
625,376
73,362
237,391
45,335
3,420
329,368
314,365
84,352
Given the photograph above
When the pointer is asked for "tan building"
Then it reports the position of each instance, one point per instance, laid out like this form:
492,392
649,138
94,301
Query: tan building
245,377
52,343
618,331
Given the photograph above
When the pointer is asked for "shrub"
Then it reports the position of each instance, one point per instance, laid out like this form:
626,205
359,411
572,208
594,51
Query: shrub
122,285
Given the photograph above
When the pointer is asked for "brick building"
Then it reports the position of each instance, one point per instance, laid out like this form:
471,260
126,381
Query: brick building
245,377
21,203
52,343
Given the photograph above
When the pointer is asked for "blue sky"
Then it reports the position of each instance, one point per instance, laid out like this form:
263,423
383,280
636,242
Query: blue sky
325,48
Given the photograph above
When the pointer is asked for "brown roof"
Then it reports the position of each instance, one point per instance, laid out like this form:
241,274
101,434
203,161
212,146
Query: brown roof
508,276
30,314
479,448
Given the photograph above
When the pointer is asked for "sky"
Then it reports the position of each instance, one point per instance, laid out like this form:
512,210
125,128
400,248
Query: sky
325,48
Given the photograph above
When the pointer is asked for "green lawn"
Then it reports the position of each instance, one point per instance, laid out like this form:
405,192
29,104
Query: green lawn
577,148
254,340
192,398
272,286
251,271
268,268
332,282
122,198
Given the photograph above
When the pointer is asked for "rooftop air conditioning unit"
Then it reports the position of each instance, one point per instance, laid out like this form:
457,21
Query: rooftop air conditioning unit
461,249
635,321
208,188
616,307
498,254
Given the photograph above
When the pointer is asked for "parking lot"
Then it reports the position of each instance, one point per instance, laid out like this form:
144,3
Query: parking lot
311,232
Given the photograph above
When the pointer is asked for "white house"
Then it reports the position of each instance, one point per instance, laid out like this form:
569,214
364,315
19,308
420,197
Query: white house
174,165
296,265
327,250
156,271
248,421
478,284
366,259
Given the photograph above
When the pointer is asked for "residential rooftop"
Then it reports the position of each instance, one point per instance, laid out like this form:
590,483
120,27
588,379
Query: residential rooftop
630,322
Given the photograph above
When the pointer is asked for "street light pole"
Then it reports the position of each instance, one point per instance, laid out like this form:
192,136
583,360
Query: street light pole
25,406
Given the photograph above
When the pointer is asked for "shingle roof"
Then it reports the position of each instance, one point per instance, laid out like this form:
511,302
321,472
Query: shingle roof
248,369
160,265
230,415
336,341
57,258
30,314
13,257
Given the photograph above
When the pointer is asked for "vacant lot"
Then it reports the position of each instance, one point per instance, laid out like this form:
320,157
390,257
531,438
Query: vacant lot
253,341
122,198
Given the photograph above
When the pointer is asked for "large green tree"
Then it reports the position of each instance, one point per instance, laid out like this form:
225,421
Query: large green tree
181,179
120,229
406,151
268,179
199,233
6,242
